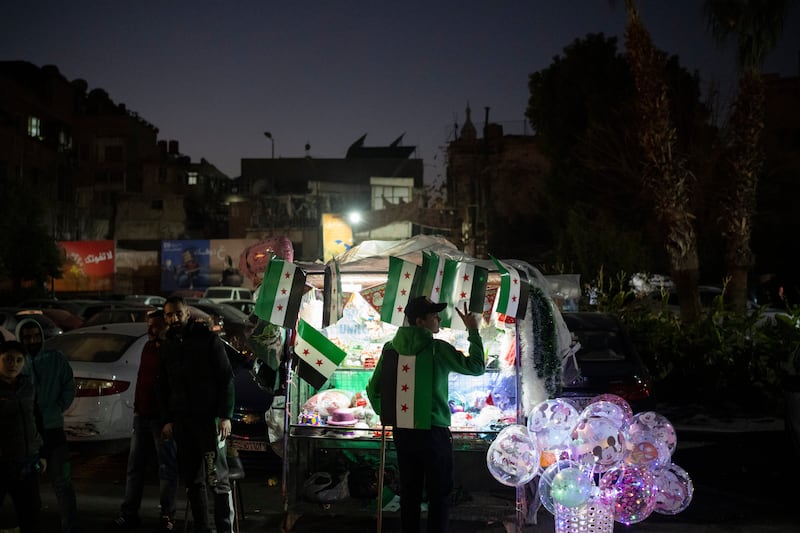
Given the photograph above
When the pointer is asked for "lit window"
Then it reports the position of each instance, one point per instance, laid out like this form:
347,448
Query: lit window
34,127
64,141
191,178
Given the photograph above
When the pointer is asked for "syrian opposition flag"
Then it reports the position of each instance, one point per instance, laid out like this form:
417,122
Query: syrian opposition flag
334,308
430,277
462,282
318,356
512,298
413,392
278,299
398,290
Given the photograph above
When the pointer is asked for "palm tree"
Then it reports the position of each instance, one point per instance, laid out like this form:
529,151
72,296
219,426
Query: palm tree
757,26
664,171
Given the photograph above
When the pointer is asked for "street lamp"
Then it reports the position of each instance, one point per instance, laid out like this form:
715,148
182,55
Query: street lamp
268,135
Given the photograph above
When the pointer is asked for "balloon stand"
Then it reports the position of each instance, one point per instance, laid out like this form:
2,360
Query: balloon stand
595,516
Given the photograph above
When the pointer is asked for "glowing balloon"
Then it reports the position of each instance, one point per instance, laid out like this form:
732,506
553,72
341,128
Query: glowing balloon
597,440
632,491
547,479
610,411
646,450
550,423
571,487
513,458
674,490
619,401
658,425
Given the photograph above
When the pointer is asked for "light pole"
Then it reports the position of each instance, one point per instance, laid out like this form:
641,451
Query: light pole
268,135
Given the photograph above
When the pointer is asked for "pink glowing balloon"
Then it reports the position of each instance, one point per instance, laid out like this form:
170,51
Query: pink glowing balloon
658,425
674,490
619,401
632,490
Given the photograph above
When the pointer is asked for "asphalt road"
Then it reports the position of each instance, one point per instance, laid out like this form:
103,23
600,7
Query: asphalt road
745,480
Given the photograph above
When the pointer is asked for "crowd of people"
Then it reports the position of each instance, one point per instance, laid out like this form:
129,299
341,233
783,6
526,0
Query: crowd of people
184,400
182,409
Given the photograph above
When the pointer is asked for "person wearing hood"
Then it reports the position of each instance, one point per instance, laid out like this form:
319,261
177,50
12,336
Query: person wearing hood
409,390
20,462
55,389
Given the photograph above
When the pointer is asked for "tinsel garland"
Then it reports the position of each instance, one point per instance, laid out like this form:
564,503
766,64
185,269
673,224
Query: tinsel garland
540,364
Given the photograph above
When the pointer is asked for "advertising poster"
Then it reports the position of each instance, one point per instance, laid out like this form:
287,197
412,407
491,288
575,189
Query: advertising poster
224,262
185,265
337,236
88,266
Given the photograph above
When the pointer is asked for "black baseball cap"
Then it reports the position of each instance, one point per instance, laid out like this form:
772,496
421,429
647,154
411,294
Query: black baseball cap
420,306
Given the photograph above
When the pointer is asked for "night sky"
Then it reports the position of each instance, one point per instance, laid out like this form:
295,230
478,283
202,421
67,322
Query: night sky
216,75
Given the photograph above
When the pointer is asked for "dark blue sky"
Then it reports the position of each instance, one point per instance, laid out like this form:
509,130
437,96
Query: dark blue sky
216,75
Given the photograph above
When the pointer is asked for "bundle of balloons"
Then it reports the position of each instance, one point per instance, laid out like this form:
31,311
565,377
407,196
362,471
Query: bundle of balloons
604,456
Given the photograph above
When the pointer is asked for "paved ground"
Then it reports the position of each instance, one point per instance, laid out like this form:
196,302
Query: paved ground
744,473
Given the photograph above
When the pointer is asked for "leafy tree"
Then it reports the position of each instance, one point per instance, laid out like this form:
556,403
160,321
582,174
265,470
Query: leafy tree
28,253
757,26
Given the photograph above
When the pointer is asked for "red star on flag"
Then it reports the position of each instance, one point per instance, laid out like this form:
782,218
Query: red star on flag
404,407
436,289
319,362
287,275
305,352
463,295
466,277
515,281
407,275
403,292
399,308
280,307
283,291
406,368
404,388
513,298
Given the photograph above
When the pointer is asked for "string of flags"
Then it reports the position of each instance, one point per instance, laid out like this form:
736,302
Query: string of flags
441,279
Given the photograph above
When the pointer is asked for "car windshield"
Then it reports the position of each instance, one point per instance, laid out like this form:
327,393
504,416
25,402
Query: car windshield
92,348
599,346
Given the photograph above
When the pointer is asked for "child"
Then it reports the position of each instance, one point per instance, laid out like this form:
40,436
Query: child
19,447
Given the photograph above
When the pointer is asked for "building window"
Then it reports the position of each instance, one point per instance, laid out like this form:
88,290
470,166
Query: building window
383,195
34,127
191,178
113,154
64,141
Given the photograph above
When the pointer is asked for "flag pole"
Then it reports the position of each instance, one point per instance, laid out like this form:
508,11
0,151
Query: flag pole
287,415
381,469
521,503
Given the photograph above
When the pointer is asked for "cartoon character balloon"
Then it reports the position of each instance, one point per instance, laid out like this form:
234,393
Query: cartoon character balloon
611,411
674,490
619,401
513,458
254,259
550,423
658,425
597,441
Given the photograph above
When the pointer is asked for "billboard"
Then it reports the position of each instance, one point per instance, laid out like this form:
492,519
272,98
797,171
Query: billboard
88,266
337,236
199,264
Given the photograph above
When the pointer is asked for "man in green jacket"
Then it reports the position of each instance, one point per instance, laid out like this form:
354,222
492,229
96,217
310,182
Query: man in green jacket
409,390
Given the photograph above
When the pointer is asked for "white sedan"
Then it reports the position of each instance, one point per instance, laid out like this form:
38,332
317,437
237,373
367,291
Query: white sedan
105,362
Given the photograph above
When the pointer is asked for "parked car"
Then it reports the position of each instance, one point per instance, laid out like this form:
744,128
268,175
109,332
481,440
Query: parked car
235,324
146,299
608,362
116,315
73,306
105,362
245,306
11,316
228,293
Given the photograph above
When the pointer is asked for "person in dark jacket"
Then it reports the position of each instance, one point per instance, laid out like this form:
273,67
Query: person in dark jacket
409,390
146,438
19,448
196,392
55,389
